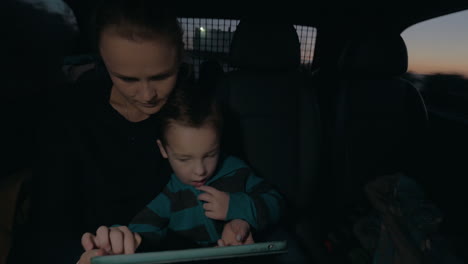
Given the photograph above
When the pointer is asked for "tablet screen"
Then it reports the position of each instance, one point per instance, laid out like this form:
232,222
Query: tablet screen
193,255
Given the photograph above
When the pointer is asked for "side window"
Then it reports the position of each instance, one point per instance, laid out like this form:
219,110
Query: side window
207,38
438,66
438,63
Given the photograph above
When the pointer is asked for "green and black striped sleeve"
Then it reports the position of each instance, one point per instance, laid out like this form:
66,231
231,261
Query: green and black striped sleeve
151,222
260,205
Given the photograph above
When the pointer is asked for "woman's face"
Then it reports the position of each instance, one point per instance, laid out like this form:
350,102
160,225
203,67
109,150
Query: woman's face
143,72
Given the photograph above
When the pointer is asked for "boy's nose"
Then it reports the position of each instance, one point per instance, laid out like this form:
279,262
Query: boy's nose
200,169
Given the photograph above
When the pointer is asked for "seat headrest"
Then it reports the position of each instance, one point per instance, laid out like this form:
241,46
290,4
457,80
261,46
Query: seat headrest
382,55
265,45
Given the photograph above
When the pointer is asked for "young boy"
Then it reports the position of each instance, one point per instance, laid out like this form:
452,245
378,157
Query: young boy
207,187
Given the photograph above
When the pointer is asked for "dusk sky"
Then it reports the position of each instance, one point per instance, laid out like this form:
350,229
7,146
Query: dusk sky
439,45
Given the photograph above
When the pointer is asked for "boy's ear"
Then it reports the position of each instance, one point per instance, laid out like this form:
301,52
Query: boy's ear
162,149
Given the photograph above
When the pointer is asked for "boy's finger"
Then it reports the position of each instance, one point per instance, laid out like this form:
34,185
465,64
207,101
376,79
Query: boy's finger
220,243
234,243
241,229
249,240
205,197
208,207
210,214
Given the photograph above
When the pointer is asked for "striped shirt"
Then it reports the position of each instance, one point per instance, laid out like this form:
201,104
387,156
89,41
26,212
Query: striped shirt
178,210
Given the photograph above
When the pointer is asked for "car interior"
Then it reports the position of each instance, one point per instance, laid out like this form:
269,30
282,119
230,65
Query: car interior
318,99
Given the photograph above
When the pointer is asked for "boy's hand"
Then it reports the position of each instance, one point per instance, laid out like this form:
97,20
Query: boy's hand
217,202
114,240
236,232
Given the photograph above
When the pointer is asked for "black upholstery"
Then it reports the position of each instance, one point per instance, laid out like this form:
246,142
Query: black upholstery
211,71
274,106
273,120
259,45
382,56
377,119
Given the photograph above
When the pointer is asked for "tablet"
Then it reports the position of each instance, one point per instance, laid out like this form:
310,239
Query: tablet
192,255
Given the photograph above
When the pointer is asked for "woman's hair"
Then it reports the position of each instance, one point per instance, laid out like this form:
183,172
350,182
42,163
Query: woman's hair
138,20
190,106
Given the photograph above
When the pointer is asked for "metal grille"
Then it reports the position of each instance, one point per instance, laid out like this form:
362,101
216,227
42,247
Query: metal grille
307,37
207,38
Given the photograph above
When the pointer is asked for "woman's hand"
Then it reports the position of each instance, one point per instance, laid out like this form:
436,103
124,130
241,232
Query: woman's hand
114,240
87,255
236,232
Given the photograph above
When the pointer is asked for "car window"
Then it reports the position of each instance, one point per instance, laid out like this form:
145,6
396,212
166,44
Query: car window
438,63
209,38
438,46
438,67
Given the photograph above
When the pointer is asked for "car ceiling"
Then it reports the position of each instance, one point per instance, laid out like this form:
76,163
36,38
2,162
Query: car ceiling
336,21
335,16
391,14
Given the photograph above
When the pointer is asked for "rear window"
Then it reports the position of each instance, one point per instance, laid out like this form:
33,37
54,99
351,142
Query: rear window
207,38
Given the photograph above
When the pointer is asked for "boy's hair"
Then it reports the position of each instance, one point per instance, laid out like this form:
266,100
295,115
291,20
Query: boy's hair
189,106
138,20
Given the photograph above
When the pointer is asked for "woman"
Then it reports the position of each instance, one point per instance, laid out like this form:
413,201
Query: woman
97,149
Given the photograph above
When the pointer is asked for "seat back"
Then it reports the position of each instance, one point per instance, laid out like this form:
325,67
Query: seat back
14,205
211,71
273,117
378,118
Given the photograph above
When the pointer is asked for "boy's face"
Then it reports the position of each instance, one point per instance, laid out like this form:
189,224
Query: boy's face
192,152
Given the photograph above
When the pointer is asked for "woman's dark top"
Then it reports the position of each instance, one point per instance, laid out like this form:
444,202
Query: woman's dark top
95,167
